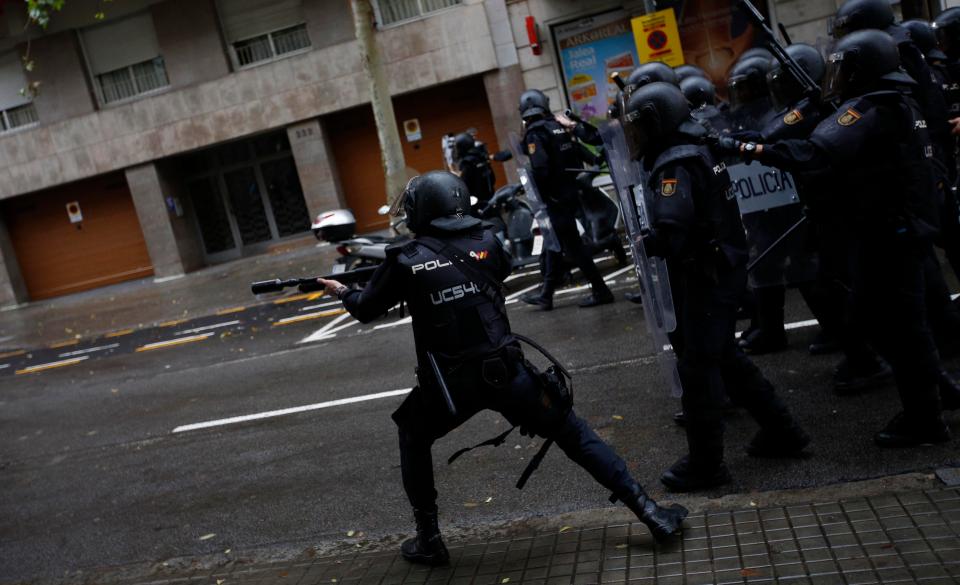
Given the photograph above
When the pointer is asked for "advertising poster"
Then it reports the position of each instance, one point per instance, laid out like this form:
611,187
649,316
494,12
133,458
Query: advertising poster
591,49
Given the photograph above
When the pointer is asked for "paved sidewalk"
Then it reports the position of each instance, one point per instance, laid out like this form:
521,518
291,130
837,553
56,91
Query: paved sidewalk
864,535
145,302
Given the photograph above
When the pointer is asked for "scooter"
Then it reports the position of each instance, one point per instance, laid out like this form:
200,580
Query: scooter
338,227
514,223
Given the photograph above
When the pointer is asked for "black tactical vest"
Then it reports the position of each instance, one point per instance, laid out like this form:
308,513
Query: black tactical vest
452,317
563,154
716,224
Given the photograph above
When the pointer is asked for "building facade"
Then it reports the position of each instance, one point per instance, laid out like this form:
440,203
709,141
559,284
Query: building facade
175,134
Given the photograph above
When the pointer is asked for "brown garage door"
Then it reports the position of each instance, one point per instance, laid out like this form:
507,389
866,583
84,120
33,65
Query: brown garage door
453,107
57,257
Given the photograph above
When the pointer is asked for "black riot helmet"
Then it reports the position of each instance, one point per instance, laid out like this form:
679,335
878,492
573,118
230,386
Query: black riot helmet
437,201
699,91
649,73
861,62
747,82
534,102
685,71
857,15
785,90
463,144
652,113
921,32
755,52
947,28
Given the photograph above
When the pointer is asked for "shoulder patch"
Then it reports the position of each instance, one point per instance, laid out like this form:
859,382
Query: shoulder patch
793,117
849,118
531,148
668,187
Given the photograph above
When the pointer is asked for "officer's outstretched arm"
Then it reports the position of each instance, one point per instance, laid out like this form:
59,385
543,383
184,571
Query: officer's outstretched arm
384,290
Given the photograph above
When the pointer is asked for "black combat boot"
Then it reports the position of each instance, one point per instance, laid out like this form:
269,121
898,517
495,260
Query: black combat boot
427,546
848,379
907,431
788,440
542,298
601,296
949,391
703,468
769,335
663,522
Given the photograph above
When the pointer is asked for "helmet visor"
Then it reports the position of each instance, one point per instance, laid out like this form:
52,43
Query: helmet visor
785,91
745,89
835,79
637,138
947,37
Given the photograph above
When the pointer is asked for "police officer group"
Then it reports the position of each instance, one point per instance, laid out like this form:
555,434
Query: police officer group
874,159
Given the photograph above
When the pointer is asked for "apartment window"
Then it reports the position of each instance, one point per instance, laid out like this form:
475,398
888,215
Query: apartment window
16,108
391,11
125,58
263,30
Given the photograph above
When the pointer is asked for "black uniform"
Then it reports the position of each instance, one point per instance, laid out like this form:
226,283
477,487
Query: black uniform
476,172
697,228
482,365
552,150
876,155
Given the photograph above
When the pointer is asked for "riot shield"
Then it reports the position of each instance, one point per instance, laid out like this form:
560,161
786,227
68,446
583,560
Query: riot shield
629,180
769,207
537,204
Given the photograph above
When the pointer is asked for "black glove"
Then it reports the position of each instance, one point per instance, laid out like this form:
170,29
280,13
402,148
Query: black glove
728,144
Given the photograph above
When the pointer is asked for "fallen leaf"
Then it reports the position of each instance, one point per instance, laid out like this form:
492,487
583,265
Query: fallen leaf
208,536
754,504
488,500
284,573
617,417
565,529
221,581
749,573
470,504
114,390
226,552
505,580
622,546
350,533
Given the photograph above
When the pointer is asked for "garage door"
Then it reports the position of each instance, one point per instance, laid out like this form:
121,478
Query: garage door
58,257
454,107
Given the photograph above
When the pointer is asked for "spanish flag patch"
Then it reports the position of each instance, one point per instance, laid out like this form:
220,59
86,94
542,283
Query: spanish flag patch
532,148
792,118
668,187
849,118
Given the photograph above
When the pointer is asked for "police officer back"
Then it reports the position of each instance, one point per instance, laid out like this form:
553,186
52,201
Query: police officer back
552,151
695,225
473,164
447,276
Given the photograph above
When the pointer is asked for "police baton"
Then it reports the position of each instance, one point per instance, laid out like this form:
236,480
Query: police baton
442,384
776,243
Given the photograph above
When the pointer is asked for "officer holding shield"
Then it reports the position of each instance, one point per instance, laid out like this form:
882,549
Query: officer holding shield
694,223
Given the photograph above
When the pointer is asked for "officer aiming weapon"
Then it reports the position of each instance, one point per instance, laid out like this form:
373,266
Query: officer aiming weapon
310,284
810,87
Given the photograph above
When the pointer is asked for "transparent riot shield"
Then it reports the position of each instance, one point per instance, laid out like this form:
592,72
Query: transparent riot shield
769,207
629,180
537,204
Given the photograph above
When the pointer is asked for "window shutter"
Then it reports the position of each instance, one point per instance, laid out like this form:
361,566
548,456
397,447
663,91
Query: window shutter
121,44
245,19
12,80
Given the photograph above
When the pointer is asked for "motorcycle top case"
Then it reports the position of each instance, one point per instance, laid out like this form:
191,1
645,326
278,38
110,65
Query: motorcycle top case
629,180
534,199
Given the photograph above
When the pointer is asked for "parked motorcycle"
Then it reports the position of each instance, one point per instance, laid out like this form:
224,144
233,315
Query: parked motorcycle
514,223
338,227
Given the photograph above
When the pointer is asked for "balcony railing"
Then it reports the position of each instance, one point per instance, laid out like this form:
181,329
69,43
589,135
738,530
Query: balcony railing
271,45
392,11
132,81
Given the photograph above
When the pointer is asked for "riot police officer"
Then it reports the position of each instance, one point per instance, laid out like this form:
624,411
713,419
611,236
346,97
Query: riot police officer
474,166
750,107
552,151
702,95
687,71
875,152
449,276
946,26
695,225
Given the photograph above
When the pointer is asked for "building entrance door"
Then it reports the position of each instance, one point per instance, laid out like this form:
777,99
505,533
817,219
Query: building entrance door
247,196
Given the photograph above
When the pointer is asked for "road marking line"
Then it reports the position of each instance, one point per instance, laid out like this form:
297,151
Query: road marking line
13,353
320,306
65,343
300,297
206,327
327,329
172,323
286,411
90,350
4,366
120,333
51,365
231,310
521,291
403,321
173,342
789,326
308,317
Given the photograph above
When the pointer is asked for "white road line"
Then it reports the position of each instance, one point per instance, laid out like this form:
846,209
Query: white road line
403,321
320,306
521,291
89,350
283,412
789,326
207,328
617,273
4,366
326,329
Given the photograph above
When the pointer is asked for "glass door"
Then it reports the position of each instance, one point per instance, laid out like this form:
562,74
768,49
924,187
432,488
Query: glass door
247,206
216,228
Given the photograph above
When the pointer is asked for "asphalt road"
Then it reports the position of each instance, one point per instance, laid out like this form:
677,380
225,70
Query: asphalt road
92,472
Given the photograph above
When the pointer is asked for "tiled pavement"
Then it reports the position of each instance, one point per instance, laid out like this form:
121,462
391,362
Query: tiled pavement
908,537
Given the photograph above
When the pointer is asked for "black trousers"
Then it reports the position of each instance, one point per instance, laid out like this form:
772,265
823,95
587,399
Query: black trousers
890,306
423,418
564,225
710,364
